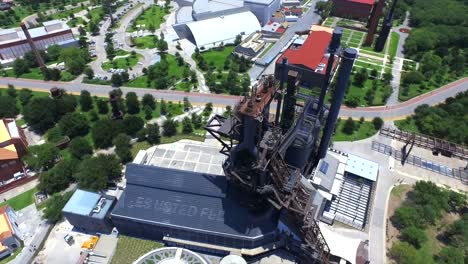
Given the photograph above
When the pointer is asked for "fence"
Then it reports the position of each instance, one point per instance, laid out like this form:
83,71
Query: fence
459,174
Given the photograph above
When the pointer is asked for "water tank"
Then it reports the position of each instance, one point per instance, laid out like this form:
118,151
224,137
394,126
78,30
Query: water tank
233,259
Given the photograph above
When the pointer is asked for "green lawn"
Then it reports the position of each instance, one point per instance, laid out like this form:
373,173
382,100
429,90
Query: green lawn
184,86
365,130
22,200
407,125
139,82
152,18
36,74
139,146
121,52
217,56
130,249
146,42
175,72
394,39
122,63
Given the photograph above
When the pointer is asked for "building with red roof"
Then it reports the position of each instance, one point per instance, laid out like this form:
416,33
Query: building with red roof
355,9
310,57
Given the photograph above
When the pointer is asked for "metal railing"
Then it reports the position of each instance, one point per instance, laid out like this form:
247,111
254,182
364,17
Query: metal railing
460,174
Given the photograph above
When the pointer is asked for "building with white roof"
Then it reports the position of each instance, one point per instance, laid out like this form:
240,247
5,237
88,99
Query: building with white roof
210,22
346,183
14,44
211,32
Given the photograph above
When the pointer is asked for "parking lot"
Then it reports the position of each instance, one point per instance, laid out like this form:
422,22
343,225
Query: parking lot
56,250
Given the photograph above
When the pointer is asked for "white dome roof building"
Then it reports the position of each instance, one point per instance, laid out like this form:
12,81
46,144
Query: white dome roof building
171,255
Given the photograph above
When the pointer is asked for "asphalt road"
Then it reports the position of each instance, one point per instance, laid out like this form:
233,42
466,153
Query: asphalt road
393,112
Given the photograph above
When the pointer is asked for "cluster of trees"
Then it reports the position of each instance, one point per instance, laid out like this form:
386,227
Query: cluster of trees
426,204
359,79
445,120
438,40
350,125
231,78
75,60
158,75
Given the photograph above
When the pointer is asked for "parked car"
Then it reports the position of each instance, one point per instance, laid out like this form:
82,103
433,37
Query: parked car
68,238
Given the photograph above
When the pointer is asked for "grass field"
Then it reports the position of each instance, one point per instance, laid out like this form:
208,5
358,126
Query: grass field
365,130
151,18
407,125
217,56
146,42
122,63
175,72
36,74
130,249
22,200
394,39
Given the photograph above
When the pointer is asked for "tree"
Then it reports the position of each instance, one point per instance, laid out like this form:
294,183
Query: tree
24,95
102,106
89,73
74,124
54,74
349,126
169,128
403,253
245,85
53,52
40,113
67,103
238,40
148,100
122,147
54,206
20,66
141,135
11,91
82,31
406,216
414,236
377,122
80,147
132,103
412,77
450,255
59,177
132,124
148,112
187,104
361,77
75,60
387,77
187,127
8,107
41,157
86,101
94,172
163,107
116,80
154,136
102,133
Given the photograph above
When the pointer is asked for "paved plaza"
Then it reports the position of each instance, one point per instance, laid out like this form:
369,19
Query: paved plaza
187,155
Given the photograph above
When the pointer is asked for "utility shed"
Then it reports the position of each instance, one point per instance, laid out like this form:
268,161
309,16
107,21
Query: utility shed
191,207
89,211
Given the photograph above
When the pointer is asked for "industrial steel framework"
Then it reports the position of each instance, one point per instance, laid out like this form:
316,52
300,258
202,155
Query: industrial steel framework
272,158
446,148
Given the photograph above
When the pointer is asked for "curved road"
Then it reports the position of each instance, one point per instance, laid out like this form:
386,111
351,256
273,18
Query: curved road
393,112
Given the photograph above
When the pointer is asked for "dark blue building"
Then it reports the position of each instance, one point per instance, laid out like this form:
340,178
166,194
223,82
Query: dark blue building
89,211
160,202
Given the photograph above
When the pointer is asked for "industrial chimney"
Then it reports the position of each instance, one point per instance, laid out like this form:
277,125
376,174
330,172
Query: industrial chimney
334,46
347,61
374,21
386,27
34,50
